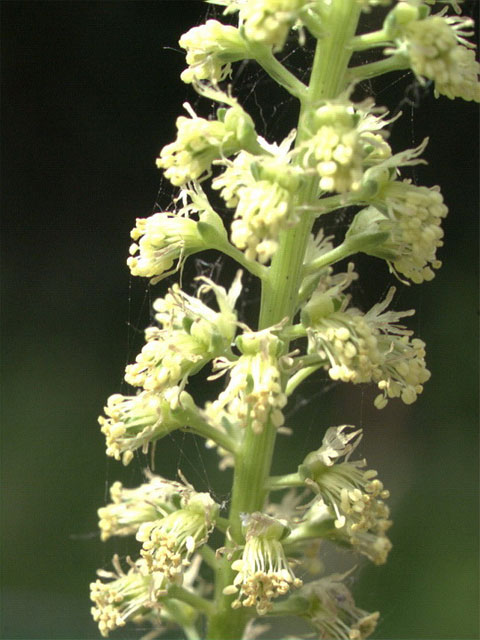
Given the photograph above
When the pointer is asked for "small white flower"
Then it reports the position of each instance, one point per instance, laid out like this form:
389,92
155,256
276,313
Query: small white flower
371,347
126,595
267,21
169,543
254,392
133,422
333,612
338,442
438,50
264,572
211,48
344,143
263,191
199,142
191,335
354,495
159,241
131,507
409,219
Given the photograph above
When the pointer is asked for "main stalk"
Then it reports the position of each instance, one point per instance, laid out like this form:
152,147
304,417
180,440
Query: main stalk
279,301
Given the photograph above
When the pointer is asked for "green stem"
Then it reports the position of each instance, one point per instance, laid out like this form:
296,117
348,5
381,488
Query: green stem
208,555
329,204
254,268
221,524
370,40
374,69
202,428
293,332
197,602
275,69
191,633
279,300
335,255
299,377
285,482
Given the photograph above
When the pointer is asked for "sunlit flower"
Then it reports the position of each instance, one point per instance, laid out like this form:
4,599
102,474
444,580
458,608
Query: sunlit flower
126,595
262,191
371,347
190,334
169,543
438,50
199,142
267,21
254,392
264,572
133,422
344,143
411,218
159,241
333,612
354,495
211,48
131,507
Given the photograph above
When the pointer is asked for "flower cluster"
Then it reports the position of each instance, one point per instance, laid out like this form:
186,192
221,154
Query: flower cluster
133,422
190,334
267,21
127,595
370,347
211,48
254,393
264,572
263,194
343,144
353,495
437,49
411,217
332,610
159,241
132,507
168,543
340,159
199,142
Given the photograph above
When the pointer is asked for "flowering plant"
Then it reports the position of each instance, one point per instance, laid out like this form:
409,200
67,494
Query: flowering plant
337,158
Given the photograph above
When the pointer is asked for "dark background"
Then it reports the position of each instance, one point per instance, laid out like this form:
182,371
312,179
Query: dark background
90,94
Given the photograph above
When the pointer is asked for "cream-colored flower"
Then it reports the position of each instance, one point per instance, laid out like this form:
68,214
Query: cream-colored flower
371,347
438,50
159,241
344,144
354,496
131,507
254,392
190,335
263,192
168,543
126,595
133,422
264,572
411,218
199,142
267,21
333,612
211,48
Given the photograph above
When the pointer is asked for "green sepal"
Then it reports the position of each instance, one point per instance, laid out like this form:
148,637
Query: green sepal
369,242
210,234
